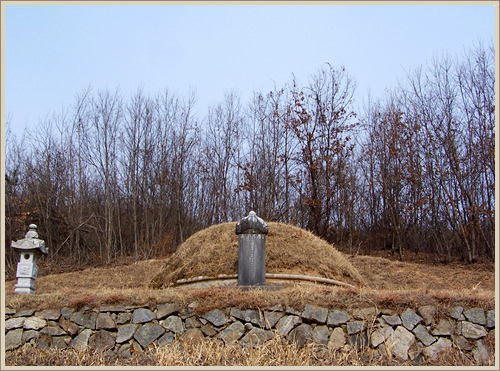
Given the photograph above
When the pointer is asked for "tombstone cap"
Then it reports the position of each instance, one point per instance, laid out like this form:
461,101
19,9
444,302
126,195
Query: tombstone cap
252,224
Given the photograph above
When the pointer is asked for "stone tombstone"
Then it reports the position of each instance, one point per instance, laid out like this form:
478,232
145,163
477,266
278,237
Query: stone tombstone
30,248
251,231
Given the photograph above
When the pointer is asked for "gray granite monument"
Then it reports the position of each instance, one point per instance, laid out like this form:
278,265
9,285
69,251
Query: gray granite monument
251,231
30,248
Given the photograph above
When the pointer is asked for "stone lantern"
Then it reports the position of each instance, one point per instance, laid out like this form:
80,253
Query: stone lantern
30,248
251,231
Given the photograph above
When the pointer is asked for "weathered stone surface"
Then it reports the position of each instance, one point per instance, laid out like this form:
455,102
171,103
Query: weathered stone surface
490,319
81,342
252,315
126,332
216,317
365,313
380,335
456,312
473,331
192,322
13,323
85,318
122,318
337,338
186,313
148,333
25,313
165,310
13,339
410,319
423,335
338,317
301,335
272,318
255,337
359,340
105,322
232,333
9,311
70,327
275,308
166,339
49,314
192,336
60,342
174,324
394,320
315,314
30,334
354,327
102,340
208,330
124,351
112,308
67,312
433,351
481,354
400,342
143,315
475,315
427,312
443,328
461,342
286,324
320,335
292,311
34,323
53,331
43,343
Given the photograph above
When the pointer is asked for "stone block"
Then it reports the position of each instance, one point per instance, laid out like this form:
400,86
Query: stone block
423,335
53,331
320,334
165,310
25,313
481,355
13,323
148,333
252,315
49,314
232,333
337,317
473,331
443,328
461,342
337,339
315,314
301,335
432,352
272,318
365,313
104,321
81,341
192,336
143,315
30,334
427,312
476,315
85,318
255,337
126,332
173,324
380,335
13,339
166,339
400,342
410,319
34,323
490,319
102,341
216,317
355,326
287,323
393,320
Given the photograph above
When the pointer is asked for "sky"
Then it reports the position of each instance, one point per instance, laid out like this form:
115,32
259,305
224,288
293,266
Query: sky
54,52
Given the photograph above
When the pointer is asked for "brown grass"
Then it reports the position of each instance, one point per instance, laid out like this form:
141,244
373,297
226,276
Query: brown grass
289,249
275,352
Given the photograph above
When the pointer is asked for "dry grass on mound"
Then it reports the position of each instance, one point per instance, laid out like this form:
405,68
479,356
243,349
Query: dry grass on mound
289,249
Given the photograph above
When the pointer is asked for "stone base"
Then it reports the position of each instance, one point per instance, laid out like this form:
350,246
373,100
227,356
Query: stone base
256,287
24,290
25,286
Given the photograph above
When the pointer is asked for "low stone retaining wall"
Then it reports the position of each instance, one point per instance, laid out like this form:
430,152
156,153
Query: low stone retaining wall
413,334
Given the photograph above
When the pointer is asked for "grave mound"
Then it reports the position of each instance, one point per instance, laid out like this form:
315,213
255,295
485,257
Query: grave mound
289,250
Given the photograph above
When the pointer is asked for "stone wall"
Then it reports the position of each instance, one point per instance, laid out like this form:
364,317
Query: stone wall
413,334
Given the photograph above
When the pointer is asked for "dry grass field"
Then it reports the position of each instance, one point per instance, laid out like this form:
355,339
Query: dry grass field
385,283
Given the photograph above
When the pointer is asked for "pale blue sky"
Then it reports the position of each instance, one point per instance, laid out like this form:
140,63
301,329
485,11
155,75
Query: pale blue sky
53,52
